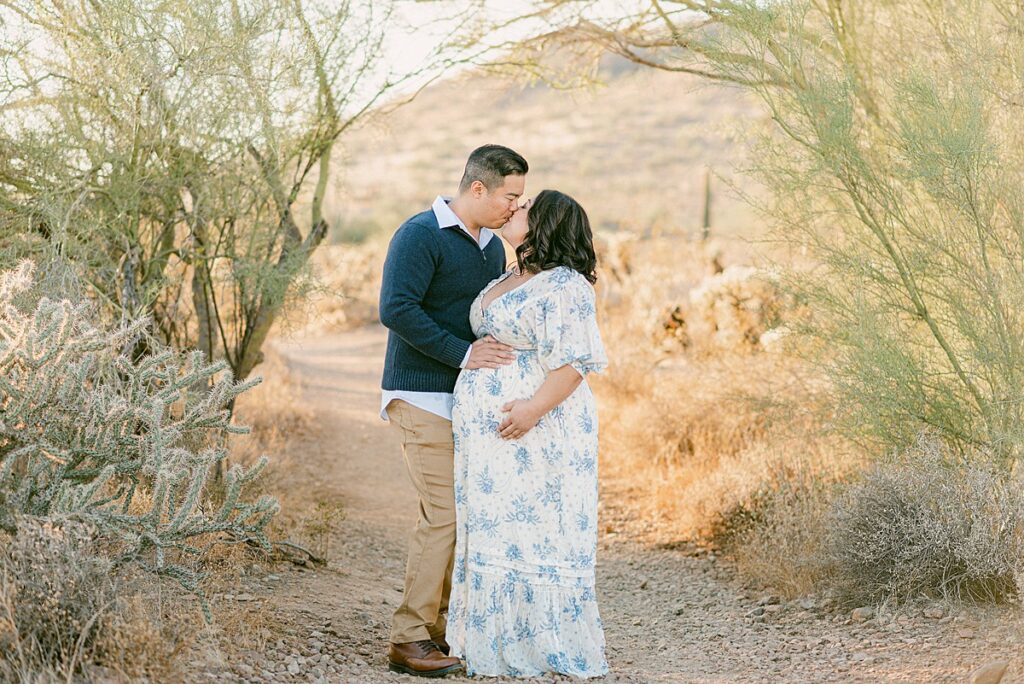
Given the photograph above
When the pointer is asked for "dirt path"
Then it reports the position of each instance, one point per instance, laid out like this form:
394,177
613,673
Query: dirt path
672,614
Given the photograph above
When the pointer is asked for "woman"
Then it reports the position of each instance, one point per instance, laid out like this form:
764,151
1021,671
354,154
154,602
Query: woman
523,599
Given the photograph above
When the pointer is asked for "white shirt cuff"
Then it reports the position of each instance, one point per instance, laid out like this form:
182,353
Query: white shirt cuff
465,360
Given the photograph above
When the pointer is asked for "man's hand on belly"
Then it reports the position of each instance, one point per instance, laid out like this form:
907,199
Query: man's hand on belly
487,352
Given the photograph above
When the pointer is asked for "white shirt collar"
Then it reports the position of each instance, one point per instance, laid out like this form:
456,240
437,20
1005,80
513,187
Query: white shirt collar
446,217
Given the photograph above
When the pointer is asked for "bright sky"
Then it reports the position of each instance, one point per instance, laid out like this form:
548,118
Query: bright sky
422,24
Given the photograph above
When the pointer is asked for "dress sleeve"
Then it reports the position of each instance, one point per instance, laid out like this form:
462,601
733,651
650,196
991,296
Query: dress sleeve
567,331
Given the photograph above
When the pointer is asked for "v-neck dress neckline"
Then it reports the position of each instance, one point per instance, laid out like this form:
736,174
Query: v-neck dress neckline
508,274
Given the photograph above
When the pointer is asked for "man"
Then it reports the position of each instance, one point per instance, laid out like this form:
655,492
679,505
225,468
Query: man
437,263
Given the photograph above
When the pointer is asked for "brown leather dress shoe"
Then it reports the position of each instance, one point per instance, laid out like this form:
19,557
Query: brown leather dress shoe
421,659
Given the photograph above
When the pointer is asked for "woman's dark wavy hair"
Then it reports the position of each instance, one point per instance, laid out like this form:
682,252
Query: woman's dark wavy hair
558,234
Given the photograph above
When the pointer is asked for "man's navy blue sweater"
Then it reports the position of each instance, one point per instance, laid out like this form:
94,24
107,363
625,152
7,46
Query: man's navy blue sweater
431,277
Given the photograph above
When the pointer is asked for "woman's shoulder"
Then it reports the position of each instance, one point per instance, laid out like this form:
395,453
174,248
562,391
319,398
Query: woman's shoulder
564,277
565,286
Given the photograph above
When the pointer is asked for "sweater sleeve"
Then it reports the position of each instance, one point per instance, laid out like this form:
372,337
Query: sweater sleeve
408,269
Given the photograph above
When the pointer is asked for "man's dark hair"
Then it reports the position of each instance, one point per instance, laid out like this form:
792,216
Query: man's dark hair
490,164
558,234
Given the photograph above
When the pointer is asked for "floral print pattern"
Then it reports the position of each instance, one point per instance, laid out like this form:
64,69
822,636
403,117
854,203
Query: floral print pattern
523,599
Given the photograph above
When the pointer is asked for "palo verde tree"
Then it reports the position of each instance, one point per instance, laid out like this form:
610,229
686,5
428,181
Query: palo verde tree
177,153
895,162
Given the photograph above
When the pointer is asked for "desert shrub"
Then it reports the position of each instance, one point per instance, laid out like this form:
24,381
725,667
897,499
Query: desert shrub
928,522
63,612
53,592
129,446
777,533
741,516
615,254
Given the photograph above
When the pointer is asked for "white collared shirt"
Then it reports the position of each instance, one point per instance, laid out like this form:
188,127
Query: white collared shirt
438,403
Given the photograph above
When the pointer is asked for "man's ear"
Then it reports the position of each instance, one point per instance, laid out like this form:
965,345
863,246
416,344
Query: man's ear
478,189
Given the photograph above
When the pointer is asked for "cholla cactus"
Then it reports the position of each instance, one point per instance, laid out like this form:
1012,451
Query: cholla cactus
86,432
729,310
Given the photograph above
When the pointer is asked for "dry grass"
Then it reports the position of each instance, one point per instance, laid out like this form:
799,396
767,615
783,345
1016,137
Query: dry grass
65,616
710,429
778,538
274,412
282,425
708,439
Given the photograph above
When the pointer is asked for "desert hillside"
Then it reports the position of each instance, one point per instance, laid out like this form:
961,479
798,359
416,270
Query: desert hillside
633,150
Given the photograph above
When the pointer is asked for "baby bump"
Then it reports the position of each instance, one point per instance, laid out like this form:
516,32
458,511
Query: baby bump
483,391
517,380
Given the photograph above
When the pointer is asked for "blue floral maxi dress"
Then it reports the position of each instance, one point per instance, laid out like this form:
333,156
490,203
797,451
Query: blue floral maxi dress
523,599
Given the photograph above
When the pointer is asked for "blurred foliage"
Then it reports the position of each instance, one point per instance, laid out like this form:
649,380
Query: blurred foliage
894,166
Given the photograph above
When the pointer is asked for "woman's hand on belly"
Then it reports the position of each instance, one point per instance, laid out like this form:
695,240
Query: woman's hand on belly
521,417
523,414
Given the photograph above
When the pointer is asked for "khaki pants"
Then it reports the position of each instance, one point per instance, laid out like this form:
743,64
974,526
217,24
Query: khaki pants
429,451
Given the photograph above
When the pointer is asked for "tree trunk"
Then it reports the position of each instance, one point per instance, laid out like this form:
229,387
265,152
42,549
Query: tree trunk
250,352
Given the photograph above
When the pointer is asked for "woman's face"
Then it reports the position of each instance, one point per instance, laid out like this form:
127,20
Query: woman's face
515,230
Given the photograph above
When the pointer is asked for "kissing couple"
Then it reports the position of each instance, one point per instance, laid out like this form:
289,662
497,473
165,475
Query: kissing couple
485,382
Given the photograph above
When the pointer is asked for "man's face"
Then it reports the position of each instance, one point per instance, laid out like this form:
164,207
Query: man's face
497,206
